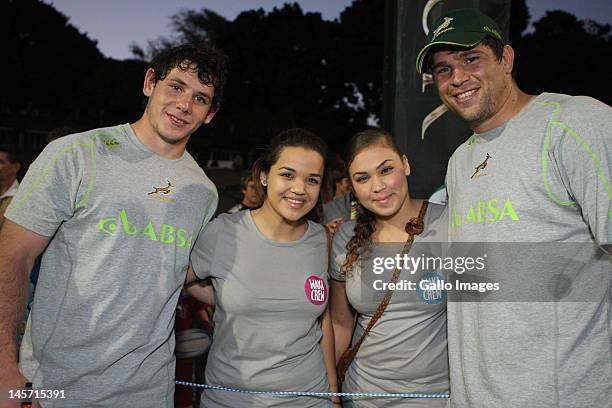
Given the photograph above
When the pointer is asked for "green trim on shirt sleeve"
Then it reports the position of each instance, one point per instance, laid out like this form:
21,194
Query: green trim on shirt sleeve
582,143
85,198
46,170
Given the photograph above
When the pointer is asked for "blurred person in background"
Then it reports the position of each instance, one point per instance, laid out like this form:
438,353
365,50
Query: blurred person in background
250,196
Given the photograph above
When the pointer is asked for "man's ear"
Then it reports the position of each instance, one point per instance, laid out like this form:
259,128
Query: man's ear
149,82
211,113
406,165
507,59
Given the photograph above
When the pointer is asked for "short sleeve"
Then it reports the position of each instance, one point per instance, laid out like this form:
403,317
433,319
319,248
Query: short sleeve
204,248
55,186
584,158
336,209
338,255
210,209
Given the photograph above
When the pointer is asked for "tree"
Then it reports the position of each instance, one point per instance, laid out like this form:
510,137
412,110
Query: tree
43,60
519,20
290,68
567,55
55,77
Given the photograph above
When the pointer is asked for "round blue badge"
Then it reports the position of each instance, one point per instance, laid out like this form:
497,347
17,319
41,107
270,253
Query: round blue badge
430,288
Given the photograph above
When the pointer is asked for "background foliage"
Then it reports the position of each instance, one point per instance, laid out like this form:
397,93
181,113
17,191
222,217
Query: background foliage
288,68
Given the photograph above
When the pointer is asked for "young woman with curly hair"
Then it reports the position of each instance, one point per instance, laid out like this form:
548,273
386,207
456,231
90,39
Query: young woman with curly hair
405,350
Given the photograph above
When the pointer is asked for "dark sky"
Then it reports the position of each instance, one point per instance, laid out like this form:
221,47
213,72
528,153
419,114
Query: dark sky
116,24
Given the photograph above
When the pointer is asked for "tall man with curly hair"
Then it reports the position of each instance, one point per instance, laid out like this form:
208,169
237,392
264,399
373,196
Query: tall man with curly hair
118,210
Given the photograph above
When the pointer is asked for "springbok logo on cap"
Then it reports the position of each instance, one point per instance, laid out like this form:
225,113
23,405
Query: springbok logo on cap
442,27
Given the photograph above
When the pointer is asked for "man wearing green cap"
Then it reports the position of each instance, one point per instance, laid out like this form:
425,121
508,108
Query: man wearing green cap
536,170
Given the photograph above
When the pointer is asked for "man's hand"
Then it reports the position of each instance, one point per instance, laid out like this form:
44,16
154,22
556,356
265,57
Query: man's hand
203,291
333,225
19,248
10,379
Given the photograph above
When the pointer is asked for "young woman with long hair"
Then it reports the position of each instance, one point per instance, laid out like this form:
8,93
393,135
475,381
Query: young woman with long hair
405,351
269,271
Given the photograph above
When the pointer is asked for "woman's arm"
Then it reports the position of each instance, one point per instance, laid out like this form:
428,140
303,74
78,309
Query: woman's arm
343,318
327,347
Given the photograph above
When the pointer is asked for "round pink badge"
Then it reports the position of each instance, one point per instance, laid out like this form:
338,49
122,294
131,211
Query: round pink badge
316,290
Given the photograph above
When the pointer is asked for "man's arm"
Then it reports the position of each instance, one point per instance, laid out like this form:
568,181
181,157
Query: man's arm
19,248
202,290
582,160
191,278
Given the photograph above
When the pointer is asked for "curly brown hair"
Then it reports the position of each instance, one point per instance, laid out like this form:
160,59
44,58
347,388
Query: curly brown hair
210,63
360,243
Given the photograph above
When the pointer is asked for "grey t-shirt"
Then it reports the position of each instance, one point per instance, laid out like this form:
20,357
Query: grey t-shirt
339,207
405,351
122,222
269,296
546,179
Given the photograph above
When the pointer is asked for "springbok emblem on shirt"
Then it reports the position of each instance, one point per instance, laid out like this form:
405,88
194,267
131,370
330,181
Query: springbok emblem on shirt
161,190
481,166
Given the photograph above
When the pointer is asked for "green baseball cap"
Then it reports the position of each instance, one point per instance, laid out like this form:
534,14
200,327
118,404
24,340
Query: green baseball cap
463,27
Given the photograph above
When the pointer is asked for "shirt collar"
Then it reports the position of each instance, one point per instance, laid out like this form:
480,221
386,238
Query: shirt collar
11,191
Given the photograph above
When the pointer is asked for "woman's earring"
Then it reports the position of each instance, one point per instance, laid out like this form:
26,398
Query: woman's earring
264,182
